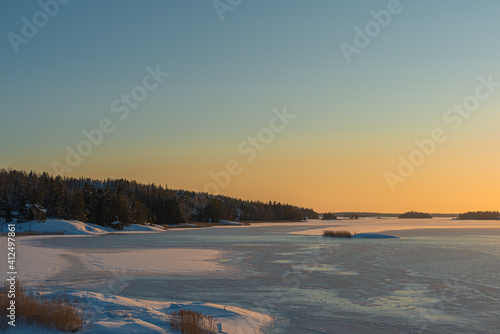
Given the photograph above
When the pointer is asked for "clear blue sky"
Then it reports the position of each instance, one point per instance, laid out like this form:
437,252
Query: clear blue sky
226,77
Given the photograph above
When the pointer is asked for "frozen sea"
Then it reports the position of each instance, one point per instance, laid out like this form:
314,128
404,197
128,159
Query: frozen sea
432,280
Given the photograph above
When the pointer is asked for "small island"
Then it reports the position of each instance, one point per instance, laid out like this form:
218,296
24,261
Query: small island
329,216
414,214
480,215
348,234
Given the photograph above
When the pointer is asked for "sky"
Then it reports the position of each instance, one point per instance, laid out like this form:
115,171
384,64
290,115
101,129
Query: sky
385,106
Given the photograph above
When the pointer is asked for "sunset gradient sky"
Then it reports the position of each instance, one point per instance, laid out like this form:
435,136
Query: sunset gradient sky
353,120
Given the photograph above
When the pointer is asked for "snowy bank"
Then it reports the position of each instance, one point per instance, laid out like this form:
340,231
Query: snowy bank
74,227
373,236
143,228
113,314
227,222
55,226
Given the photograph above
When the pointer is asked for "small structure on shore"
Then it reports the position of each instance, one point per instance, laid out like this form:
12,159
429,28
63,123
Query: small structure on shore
36,212
118,225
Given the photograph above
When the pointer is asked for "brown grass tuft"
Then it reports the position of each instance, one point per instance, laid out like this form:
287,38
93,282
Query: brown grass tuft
191,322
337,234
53,313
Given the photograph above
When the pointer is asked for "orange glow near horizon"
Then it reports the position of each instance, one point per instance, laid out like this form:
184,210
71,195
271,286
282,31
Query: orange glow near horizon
350,179
336,171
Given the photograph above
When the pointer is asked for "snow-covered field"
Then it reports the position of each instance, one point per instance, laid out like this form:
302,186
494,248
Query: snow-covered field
36,264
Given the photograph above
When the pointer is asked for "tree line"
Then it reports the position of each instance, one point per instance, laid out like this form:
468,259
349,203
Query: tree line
104,201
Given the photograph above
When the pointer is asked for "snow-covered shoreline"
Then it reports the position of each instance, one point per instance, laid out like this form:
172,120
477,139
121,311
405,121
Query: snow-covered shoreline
74,227
107,312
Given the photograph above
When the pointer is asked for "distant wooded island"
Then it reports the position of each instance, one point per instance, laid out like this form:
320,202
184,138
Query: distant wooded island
415,214
480,215
329,216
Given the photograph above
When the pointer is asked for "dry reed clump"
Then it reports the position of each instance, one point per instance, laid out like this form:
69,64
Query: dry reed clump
52,313
337,234
191,322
